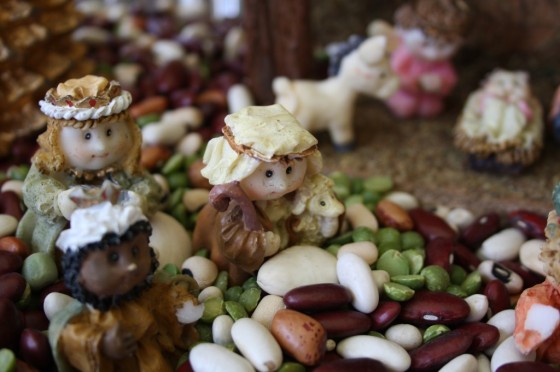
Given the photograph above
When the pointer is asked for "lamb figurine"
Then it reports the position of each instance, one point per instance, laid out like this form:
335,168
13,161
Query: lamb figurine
317,210
329,104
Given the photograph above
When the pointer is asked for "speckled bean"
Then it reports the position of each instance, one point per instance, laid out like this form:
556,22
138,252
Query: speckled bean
365,249
148,106
439,351
504,245
392,215
355,274
490,270
392,355
256,343
507,352
267,308
317,297
208,357
406,335
359,215
203,270
343,323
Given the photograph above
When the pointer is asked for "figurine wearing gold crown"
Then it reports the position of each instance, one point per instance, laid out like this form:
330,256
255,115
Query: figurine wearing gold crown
257,168
90,138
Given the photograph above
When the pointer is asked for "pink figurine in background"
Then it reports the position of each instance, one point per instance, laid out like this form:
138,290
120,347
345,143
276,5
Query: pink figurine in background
430,33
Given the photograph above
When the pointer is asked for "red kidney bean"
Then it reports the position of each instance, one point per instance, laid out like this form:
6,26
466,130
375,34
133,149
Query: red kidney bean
182,98
343,323
21,366
217,121
435,353
12,286
526,366
224,80
498,296
482,228
530,278
185,367
385,313
317,297
35,349
438,252
11,324
531,224
14,245
330,356
464,257
484,335
35,319
427,308
171,76
352,365
431,226
9,204
9,262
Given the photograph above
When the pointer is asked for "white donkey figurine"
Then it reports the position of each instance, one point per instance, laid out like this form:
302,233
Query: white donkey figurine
329,104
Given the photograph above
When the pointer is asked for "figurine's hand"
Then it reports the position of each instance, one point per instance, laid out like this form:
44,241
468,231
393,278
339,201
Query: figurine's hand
430,83
65,204
118,343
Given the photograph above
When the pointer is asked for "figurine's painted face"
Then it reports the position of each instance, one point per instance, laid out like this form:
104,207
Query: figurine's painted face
508,84
117,269
95,148
273,180
426,47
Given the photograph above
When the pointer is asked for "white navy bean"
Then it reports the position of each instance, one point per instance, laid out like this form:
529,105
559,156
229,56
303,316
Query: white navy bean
505,322
507,352
490,270
8,225
462,363
257,344
406,335
366,250
478,303
391,354
238,97
460,217
380,277
529,256
203,270
194,199
483,363
403,199
207,357
504,245
355,274
189,144
266,309
14,186
221,330
358,215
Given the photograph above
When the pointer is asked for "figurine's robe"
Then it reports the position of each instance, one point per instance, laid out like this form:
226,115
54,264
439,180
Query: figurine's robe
77,331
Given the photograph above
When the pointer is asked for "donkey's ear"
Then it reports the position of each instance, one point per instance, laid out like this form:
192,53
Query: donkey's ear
373,50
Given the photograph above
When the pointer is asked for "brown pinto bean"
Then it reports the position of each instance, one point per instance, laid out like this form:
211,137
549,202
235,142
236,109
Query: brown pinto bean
435,353
149,105
438,252
317,297
427,308
431,226
14,245
196,179
393,215
481,229
9,262
498,296
484,335
464,257
385,313
9,204
531,224
352,365
343,323
12,286
526,366
35,319
152,156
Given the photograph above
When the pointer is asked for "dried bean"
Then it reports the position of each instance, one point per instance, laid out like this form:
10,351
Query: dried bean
385,313
365,249
437,279
317,297
411,240
398,292
412,281
526,366
464,257
403,199
10,205
394,263
490,270
343,323
12,286
149,105
481,229
463,363
498,296
9,262
472,283
378,184
507,352
427,308
439,252
355,274
363,234
257,344
250,298
392,215
484,335
235,310
479,307
531,224
530,278
434,331
213,307
456,290
504,245
415,259
431,226
351,365
406,335
437,352
392,355
457,274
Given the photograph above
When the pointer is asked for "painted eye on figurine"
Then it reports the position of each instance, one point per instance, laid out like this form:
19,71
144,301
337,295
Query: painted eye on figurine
113,257
269,173
322,203
135,251
288,170
109,132
87,136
